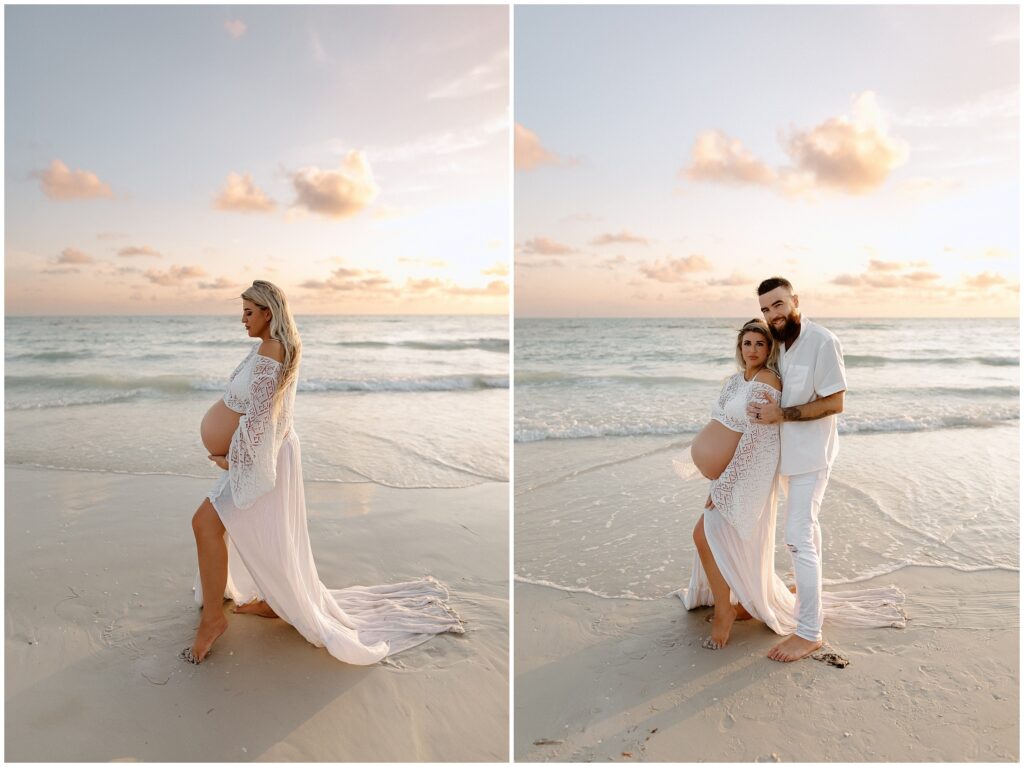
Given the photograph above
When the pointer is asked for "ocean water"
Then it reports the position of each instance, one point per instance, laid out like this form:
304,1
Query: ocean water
927,474
401,401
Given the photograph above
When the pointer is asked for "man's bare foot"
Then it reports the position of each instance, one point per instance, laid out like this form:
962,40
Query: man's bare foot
793,648
721,624
207,633
259,608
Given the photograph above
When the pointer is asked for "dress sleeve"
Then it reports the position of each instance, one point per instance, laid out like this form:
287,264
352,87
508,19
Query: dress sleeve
747,486
252,463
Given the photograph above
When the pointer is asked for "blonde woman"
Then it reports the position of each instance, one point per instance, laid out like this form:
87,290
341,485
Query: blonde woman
251,533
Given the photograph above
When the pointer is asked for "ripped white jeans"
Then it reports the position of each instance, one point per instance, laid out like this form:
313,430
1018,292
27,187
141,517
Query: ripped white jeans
803,539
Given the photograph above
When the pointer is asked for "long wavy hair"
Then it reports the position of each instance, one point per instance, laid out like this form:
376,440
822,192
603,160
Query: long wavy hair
757,325
266,295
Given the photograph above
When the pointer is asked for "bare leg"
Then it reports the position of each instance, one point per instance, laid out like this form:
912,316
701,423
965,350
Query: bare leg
725,613
259,608
213,573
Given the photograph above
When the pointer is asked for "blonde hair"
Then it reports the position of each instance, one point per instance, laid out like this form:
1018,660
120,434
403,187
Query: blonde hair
266,295
757,325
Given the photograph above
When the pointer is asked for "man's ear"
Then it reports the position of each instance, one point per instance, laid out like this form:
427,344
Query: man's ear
796,301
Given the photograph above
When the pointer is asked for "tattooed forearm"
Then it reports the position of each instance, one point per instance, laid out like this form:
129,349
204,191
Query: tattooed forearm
793,414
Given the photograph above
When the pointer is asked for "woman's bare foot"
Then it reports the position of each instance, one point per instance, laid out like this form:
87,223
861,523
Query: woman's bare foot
207,633
793,648
721,624
259,608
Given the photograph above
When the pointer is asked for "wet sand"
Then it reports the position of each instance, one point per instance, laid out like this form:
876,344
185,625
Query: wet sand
626,680
99,573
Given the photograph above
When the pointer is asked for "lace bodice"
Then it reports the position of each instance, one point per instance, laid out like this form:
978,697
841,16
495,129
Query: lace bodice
730,409
236,396
252,457
739,492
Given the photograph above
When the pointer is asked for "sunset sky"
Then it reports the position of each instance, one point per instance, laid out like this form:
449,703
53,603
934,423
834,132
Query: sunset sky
159,159
669,158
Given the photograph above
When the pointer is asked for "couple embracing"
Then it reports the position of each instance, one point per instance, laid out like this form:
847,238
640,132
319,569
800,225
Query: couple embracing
774,427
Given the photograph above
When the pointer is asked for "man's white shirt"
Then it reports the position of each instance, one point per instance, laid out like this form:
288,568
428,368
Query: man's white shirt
812,368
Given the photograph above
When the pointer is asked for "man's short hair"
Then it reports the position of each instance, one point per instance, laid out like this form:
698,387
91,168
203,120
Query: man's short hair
774,282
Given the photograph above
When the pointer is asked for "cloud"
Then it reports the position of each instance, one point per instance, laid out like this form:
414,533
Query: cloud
60,270
921,187
545,263
337,193
994,105
433,263
73,256
733,280
612,263
850,154
582,217
500,269
985,280
59,182
493,288
886,279
994,254
138,250
676,269
623,237
175,275
874,265
242,195
718,158
443,143
221,283
489,76
529,152
235,28
543,246
346,280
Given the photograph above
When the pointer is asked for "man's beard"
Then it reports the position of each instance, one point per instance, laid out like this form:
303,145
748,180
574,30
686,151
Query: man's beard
789,331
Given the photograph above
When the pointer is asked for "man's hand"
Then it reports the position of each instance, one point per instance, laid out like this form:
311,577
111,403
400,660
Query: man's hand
822,407
764,413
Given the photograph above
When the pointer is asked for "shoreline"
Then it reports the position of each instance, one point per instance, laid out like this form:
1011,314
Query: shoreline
624,680
100,567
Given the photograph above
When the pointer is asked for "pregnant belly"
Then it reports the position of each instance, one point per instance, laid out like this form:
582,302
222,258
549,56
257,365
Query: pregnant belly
218,427
713,448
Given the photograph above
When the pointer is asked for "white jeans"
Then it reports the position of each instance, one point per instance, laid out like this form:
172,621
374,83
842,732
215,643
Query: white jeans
803,539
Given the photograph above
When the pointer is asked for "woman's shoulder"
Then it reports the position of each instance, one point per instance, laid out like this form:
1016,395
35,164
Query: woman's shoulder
769,377
273,349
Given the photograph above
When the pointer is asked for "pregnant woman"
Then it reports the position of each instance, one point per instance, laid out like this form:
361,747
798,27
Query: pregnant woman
735,536
251,533
734,565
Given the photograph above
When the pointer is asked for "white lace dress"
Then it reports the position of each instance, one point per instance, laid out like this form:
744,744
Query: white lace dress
261,501
740,529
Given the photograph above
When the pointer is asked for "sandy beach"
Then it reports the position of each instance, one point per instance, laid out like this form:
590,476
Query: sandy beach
627,680
99,570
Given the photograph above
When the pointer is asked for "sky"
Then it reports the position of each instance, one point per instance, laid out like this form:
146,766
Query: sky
160,159
668,159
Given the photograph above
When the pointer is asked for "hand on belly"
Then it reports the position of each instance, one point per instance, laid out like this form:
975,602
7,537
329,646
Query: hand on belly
218,427
713,448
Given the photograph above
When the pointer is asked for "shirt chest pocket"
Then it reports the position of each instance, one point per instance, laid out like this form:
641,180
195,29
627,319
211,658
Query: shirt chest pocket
795,379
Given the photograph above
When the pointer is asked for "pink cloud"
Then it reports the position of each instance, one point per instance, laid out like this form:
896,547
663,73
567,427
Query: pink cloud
242,195
59,182
529,153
